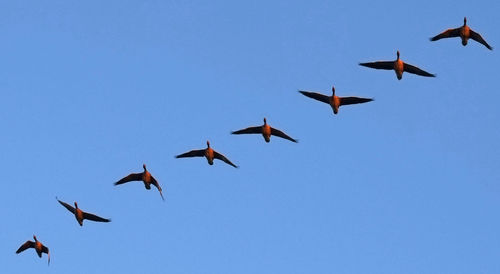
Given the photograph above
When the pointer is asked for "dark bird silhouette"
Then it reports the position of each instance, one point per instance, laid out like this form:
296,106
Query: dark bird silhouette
81,215
398,66
266,132
145,177
335,101
464,32
208,153
38,246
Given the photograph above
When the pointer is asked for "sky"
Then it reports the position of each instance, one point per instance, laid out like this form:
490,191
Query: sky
408,183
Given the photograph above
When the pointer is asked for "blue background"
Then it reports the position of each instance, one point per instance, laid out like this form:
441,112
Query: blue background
90,91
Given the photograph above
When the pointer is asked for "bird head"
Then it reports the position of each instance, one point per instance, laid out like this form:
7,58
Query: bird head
34,237
465,21
76,205
144,166
208,143
265,121
333,90
397,53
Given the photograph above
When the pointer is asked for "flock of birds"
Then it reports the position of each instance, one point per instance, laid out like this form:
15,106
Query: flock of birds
464,32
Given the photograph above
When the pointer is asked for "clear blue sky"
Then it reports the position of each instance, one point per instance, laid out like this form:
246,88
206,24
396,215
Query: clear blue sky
90,91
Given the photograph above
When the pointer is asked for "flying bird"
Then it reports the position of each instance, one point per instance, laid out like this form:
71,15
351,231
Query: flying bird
38,246
266,132
145,177
398,66
208,153
335,101
81,215
464,32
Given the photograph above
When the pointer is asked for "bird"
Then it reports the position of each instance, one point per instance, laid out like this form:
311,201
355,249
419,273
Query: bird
266,132
38,246
335,101
208,153
398,66
145,177
81,215
464,32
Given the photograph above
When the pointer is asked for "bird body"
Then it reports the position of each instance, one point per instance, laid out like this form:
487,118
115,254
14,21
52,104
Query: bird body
146,179
335,103
266,131
464,34
399,67
209,154
79,216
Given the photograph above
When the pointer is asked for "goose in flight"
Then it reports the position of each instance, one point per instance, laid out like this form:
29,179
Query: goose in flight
145,177
464,32
398,66
335,101
81,215
38,246
266,131
208,153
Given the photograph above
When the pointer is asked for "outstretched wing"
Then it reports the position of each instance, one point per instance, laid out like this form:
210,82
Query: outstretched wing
157,185
26,245
249,130
279,133
316,96
67,206
379,65
412,69
478,38
129,178
221,157
353,100
192,153
447,34
95,218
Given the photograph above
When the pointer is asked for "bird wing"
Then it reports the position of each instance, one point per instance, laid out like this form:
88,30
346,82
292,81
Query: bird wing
67,206
26,245
379,65
413,69
249,130
447,34
478,38
192,153
279,133
92,217
316,96
353,100
219,156
129,178
157,185
46,250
